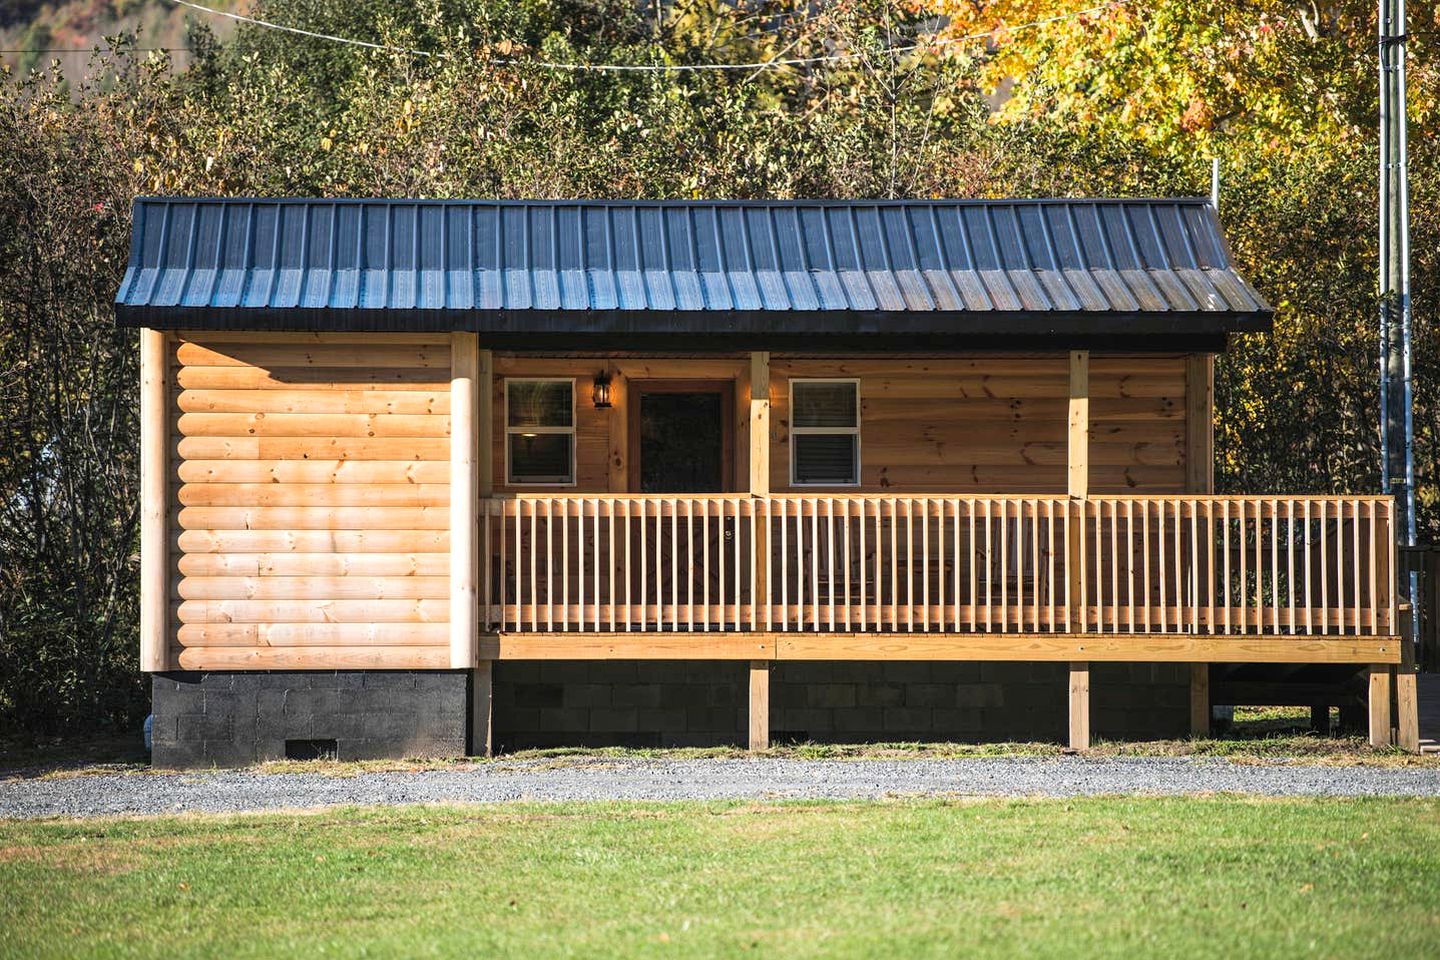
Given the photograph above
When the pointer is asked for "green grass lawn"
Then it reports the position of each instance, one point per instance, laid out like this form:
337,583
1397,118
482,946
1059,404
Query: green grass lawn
1212,876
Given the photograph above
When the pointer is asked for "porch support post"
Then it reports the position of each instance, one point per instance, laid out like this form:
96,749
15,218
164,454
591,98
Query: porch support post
1379,704
1078,482
1200,478
481,709
469,470
154,506
1407,702
760,487
760,424
1199,700
759,704
464,502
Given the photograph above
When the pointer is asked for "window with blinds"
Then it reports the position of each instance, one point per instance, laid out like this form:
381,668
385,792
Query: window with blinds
824,433
540,431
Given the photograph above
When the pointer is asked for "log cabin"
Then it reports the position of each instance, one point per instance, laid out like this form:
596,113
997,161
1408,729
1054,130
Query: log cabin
437,478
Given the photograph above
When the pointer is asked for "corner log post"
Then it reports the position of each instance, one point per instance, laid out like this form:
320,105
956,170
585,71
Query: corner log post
469,481
154,496
759,431
1200,478
1078,481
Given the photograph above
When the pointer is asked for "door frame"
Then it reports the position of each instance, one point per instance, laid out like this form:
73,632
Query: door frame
635,390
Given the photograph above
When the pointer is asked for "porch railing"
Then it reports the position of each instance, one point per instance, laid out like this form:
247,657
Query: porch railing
1205,565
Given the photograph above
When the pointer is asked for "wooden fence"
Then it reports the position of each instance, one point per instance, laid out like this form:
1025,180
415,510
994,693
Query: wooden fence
816,563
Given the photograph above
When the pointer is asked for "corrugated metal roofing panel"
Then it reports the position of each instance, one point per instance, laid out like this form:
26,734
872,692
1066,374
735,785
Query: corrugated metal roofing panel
449,263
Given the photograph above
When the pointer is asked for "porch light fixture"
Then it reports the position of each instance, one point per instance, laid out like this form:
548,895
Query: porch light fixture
602,391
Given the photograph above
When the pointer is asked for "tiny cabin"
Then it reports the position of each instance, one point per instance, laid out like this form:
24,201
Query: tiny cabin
437,478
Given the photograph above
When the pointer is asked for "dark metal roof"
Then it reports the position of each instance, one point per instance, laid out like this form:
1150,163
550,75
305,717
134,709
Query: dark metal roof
1034,267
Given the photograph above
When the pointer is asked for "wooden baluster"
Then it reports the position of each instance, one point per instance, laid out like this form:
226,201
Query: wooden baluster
580,552
785,567
829,555
1032,509
690,567
1371,508
989,564
1195,566
1130,563
1309,572
720,559
610,555
595,541
1225,561
894,518
955,563
1050,558
1355,564
1275,565
1180,579
1324,568
924,564
1147,587
1161,570
974,564
1290,560
1004,565
845,557
863,556
550,565
644,506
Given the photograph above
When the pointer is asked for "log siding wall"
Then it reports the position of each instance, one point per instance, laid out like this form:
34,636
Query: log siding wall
309,516
309,475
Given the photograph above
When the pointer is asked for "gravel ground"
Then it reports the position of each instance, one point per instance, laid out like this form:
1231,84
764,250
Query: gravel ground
609,779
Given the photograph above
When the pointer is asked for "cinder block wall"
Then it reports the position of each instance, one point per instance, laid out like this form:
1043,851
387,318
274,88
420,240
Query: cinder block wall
227,719
644,703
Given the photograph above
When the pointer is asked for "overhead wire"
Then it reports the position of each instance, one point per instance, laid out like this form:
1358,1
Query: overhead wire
772,63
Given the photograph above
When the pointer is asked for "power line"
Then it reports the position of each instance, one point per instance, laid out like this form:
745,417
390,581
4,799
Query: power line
97,49
651,68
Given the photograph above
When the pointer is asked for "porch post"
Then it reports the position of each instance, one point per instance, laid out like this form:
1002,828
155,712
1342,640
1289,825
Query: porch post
1379,704
1407,700
1078,481
469,474
760,487
1200,478
154,497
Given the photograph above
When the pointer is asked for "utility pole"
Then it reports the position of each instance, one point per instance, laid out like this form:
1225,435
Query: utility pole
1397,428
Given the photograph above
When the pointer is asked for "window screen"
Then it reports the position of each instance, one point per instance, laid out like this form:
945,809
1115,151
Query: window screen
540,431
825,432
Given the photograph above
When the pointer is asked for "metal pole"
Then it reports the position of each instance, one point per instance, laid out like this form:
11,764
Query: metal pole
1397,428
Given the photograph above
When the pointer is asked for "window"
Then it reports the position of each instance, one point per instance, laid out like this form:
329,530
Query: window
540,431
825,433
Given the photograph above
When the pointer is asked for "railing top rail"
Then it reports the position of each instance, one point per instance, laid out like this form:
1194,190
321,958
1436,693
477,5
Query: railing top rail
1009,497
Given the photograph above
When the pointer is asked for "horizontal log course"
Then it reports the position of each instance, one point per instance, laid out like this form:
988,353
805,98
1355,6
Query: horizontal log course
312,495
265,355
337,541
312,610
312,448
362,472
315,402
313,518
314,564
312,634
311,379
311,424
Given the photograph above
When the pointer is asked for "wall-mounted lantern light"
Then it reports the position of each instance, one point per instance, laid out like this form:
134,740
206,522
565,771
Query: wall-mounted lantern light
602,391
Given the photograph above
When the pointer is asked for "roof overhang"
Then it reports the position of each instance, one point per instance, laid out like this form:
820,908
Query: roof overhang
1154,274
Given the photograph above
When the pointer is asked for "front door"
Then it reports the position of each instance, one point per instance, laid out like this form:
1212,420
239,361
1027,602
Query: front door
681,436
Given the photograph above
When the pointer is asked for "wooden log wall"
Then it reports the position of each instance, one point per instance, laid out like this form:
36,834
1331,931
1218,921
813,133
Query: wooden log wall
999,424
310,479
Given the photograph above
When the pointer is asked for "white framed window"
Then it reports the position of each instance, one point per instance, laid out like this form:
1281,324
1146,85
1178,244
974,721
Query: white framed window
540,431
825,432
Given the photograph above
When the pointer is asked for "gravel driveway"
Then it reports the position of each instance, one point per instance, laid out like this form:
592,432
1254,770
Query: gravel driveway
610,779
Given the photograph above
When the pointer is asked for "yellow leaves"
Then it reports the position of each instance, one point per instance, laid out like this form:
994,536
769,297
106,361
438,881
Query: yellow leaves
326,143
